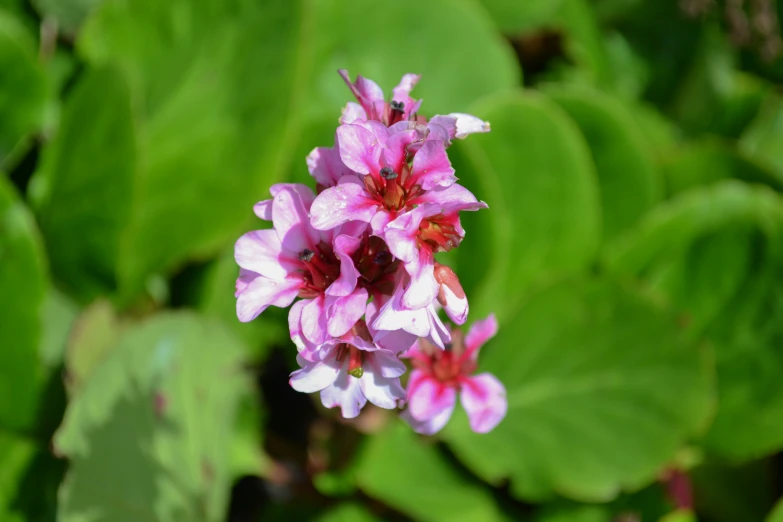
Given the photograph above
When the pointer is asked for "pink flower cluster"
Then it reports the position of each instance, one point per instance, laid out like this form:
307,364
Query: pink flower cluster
359,254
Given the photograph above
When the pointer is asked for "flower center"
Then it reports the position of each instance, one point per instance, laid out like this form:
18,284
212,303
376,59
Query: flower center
355,359
376,266
439,234
447,366
321,269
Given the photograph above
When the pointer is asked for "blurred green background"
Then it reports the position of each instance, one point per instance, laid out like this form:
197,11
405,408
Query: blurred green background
633,252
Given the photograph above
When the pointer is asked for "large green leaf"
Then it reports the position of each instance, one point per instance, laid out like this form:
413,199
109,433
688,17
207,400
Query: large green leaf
194,139
406,472
15,455
23,280
85,187
68,14
777,513
23,88
763,139
629,181
715,253
603,387
534,171
149,434
708,161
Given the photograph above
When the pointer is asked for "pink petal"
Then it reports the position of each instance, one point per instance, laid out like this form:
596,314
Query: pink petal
308,351
345,202
344,247
423,289
303,191
379,221
469,124
346,393
292,221
451,295
326,167
401,233
245,278
427,397
352,112
360,149
345,311
261,252
431,166
484,399
315,376
314,320
263,209
385,364
395,341
454,194
430,426
262,292
403,90
394,150
381,391
447,123
480,332
423,322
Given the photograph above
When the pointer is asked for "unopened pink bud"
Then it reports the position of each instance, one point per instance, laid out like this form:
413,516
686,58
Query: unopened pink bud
451,296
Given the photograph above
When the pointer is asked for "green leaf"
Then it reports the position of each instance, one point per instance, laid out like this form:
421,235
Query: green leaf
16,454
94,333
535,173
84,189
576,514
629,181
174,149
603,388
406,472
23,276
69,14
149,434
777,513
23,87
347,512
737,302
513,17
60,313
763,139
705,162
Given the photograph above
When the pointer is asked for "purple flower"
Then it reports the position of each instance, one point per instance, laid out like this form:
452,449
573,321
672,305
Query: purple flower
350,371
440,374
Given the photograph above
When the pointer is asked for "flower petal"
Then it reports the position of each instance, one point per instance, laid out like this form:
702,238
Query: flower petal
314,320
469,124
262,292
480,332
382,391
315,376
430,426
261,252
385,364
345,311
346,393
431,166
325,165
352,112
403,90
359,148
263,209
345,202
292,221
344,247
428,397
484,399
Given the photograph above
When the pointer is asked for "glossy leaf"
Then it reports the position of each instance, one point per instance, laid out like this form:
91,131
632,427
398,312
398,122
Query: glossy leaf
159,409
630,184
535,173
401,469
23,279
735,303
603,388
23,86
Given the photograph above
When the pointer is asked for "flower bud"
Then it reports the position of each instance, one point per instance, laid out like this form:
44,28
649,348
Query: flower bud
451,296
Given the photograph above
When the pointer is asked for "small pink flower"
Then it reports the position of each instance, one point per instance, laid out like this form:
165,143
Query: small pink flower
351,371
293,259
439,375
